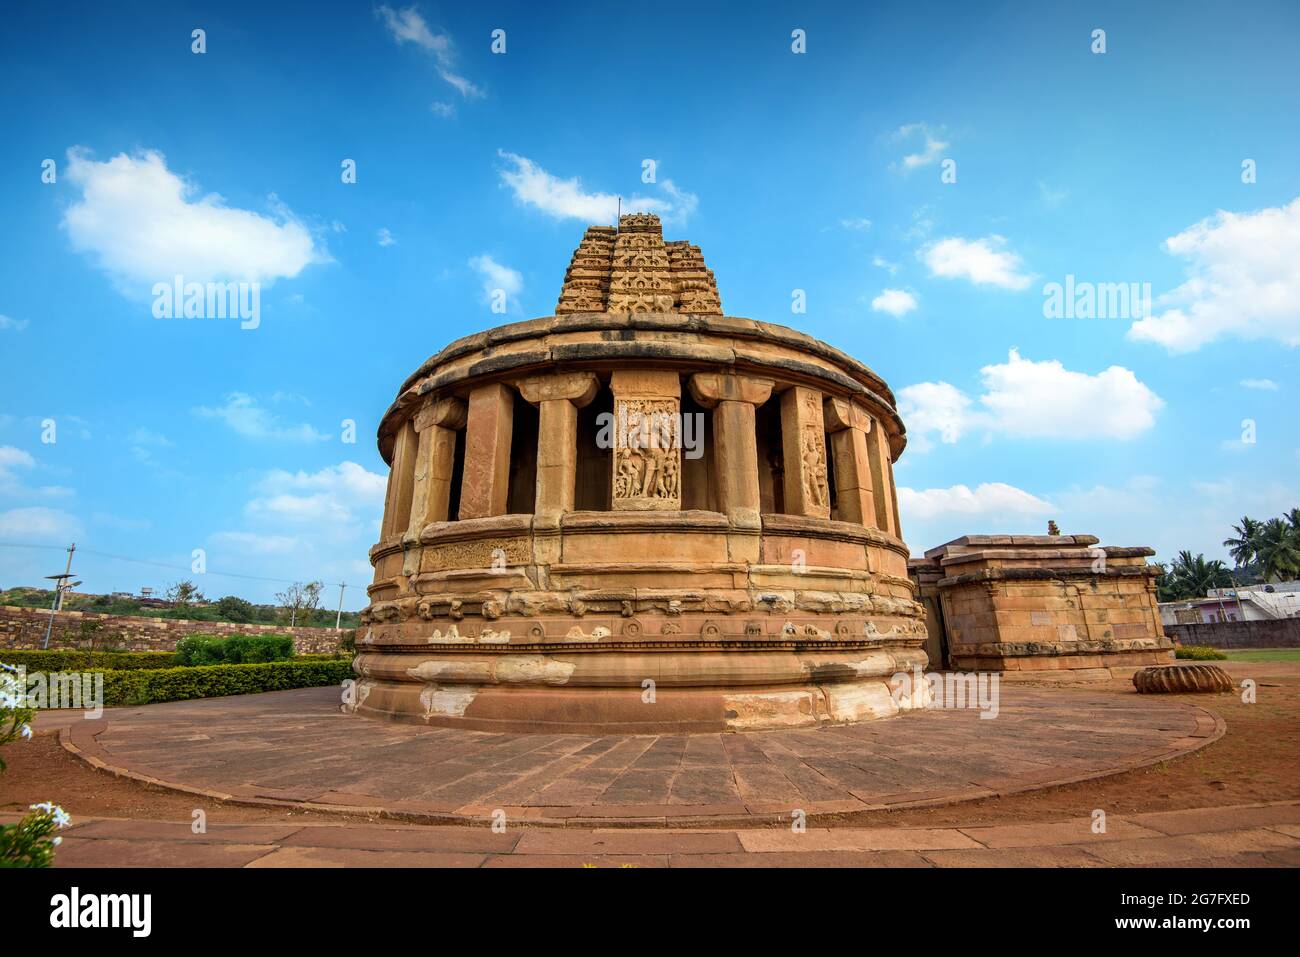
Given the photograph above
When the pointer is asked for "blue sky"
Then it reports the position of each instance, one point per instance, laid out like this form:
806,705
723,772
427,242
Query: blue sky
821,171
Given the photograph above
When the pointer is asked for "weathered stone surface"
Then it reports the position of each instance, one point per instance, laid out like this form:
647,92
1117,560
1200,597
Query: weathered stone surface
597,535
1027,604
1181,679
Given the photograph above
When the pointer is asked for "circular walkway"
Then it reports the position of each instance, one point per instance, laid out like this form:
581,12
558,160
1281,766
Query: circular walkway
296,747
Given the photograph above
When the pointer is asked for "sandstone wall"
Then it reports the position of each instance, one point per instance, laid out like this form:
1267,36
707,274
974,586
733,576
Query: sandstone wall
1278,633
25,628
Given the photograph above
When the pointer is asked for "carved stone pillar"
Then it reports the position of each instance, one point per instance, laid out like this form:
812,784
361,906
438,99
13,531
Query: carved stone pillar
882,481
401,483
647,465
733,399
558,399
850,427
436,426
485,485
803,439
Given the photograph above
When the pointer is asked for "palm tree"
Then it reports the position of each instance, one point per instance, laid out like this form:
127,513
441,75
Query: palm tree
1279,549
1193,577
1243,547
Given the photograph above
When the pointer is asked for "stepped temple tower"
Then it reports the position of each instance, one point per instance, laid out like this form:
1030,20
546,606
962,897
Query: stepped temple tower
639,514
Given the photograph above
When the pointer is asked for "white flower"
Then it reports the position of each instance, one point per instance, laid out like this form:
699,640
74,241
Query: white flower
60,816
26,732
56,841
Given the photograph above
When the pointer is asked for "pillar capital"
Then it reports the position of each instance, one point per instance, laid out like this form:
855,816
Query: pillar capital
445,413
710,388
843,414
578,387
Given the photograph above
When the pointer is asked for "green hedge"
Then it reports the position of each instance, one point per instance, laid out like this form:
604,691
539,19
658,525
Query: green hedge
203,649
1199,653
215,681
83,661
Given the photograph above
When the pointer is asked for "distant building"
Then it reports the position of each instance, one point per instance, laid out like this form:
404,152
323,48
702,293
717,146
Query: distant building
1247,603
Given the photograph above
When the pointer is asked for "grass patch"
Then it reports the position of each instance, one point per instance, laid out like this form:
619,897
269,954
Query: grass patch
1199,653
1263,654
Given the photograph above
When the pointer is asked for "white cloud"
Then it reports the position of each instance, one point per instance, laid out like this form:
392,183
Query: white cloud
250,543
896,302
12,325
988,498
566,198
443,109
982,261
880,262
385,237
1052,197
144,224
39,523
1265,385
862,224
496,276
1243,281
1027,399
407,26
334,495
931,151
12,460
244,416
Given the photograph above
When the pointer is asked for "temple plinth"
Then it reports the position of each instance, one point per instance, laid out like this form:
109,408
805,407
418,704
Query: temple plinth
639,514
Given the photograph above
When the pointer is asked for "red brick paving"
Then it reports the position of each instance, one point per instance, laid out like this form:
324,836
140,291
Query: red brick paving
1243,836
295,747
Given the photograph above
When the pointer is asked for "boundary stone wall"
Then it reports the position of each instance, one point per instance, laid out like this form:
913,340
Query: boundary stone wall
25,628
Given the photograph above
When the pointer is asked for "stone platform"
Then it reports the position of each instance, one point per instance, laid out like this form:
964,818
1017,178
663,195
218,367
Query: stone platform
295,748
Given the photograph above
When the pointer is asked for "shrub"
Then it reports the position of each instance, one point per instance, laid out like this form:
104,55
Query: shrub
82,661
235,650
1199,653
214,681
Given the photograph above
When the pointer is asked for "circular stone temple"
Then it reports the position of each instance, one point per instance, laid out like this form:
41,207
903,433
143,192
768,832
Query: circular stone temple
638,515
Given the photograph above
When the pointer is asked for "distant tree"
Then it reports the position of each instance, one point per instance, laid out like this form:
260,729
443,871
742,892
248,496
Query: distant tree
1278,550
232,608
1192,577
1245,544
184,593
300,600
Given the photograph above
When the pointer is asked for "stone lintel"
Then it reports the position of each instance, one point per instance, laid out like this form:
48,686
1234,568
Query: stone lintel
843,414
577,387
710,388
445,413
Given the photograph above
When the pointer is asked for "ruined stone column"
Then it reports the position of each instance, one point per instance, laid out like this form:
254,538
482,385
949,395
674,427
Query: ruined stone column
647,450
850,425
436,426
401,483
734,399
485,485
558,399
803,440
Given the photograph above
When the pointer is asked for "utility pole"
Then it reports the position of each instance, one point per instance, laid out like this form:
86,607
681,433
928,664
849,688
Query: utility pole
339,617
60,585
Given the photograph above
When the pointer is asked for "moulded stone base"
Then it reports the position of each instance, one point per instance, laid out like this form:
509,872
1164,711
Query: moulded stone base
632,691
626,711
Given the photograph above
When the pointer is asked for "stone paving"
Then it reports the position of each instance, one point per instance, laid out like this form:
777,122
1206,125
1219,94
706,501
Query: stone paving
1244,836
296,748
